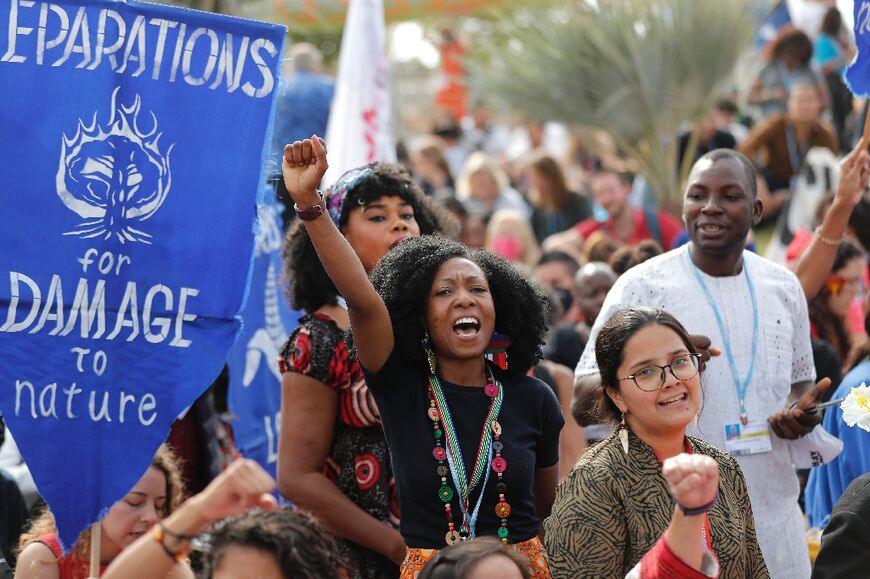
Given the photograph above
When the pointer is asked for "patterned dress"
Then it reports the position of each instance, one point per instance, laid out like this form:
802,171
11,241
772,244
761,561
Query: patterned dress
358,462
613,507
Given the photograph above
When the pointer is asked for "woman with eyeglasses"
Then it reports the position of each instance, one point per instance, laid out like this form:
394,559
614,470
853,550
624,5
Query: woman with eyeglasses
616,503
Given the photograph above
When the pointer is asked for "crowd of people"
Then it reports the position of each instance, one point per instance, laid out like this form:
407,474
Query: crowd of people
519,365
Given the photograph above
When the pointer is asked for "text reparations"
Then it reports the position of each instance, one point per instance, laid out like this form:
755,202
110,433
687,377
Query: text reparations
90,38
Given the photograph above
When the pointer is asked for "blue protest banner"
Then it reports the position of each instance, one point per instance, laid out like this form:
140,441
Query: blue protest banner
858,73
774,20
133,135
255,380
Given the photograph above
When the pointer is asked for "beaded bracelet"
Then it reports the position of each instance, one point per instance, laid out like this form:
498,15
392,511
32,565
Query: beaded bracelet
159,533
826,240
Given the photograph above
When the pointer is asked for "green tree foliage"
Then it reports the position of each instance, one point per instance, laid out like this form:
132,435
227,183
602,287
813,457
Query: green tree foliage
636,69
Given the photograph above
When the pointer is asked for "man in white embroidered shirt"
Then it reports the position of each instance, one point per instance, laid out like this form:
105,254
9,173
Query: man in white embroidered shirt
756,313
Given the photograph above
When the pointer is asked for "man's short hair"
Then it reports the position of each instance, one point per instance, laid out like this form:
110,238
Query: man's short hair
305,56
624,177
748,167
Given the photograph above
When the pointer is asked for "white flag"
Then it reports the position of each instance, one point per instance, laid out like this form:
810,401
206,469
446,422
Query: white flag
360,128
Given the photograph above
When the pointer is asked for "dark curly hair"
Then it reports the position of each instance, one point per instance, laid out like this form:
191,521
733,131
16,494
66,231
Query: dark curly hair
301,547
610,347
626,257
404,277
458,561
308,286
792,41
829,326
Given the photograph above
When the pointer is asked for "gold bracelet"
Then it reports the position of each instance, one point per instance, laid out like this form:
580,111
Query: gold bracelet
826,240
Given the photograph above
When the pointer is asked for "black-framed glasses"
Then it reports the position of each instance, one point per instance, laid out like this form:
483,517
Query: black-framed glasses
651,378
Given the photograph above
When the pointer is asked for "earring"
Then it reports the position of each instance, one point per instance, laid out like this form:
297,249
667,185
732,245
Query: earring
623,434
497,350
430,354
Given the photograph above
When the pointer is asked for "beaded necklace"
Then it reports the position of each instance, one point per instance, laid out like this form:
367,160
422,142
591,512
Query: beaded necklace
490,444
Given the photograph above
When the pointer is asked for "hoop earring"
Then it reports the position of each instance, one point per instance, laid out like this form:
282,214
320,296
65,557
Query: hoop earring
430,354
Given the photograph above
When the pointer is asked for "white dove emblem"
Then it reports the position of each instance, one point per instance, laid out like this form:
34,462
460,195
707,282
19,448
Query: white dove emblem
266,342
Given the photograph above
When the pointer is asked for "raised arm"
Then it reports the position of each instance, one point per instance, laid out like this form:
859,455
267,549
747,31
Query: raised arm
304,166
244,485
815,264
693,480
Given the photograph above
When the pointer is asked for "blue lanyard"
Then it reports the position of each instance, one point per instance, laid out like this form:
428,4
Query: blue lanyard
741,385
469,522
784,76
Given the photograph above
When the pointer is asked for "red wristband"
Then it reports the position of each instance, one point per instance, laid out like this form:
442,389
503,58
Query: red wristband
313,212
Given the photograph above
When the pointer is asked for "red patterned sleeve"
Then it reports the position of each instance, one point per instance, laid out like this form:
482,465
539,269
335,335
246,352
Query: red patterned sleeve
317,353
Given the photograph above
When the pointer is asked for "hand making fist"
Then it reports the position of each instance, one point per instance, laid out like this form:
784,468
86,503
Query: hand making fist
242,486
304,166
693,479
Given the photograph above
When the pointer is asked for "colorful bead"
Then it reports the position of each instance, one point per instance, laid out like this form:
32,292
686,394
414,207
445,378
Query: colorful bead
445,493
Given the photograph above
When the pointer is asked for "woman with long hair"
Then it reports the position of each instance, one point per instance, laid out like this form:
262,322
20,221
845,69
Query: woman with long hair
615,504
508,234
830,307
474,447
832,53
155,496
788,63
555,207
238,532
485,188
332,455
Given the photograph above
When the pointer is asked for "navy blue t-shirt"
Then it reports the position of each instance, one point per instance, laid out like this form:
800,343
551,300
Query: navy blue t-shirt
531,420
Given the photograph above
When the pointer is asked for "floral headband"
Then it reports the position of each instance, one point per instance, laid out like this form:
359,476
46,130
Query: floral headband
338,192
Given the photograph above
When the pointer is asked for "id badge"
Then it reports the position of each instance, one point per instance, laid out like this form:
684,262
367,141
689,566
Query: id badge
752,438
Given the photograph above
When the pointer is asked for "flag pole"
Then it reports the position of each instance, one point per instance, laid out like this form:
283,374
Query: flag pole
95,550
866,121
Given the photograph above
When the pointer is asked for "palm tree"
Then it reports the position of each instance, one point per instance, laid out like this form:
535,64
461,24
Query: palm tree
636,69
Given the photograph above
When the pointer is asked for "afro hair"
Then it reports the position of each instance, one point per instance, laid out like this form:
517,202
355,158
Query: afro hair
404,277
308,286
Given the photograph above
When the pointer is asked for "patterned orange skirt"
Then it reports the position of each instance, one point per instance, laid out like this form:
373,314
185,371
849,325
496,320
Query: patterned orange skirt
532,550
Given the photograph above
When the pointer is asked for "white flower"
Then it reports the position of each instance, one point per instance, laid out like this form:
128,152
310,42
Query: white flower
856,407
